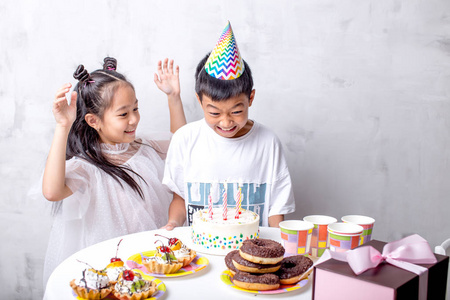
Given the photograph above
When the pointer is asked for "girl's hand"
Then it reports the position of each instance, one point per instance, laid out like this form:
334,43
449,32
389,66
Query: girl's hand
64,113
168,80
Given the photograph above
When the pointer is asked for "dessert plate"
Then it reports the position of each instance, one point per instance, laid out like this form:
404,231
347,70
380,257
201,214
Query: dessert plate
135,262
160,288
227,278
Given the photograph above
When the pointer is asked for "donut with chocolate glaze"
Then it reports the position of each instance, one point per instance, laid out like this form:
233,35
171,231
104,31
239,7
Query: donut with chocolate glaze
260,282
247,266
262,251
294,268
229,261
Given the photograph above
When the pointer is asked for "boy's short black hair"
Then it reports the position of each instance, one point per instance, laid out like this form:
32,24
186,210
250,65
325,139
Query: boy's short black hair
218,89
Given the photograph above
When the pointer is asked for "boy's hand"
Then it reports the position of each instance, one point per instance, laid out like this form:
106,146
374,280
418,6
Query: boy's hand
168,80
64,113
170,226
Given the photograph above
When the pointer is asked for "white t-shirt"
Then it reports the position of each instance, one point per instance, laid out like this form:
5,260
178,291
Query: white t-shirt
200,162
100,208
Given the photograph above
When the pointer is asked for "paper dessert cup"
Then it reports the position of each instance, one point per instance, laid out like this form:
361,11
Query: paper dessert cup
319,238
158,268
82,292
366,222
187,259
344,236
296,236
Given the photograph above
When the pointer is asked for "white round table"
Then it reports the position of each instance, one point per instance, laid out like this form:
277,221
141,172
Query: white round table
204,284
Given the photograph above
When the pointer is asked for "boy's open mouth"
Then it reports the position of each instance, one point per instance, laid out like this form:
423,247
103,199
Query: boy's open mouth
227,130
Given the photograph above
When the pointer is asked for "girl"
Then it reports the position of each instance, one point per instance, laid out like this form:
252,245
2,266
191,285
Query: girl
104,181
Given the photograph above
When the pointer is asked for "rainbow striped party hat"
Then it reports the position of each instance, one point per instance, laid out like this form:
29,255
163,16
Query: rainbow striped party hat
225,61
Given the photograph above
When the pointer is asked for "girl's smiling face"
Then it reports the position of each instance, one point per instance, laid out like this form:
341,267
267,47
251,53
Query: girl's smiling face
228,118
121,118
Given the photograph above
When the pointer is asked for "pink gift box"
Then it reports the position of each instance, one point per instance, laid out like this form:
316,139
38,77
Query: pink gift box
335,279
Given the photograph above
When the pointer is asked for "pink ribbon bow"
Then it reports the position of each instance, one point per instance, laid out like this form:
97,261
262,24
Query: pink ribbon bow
404,253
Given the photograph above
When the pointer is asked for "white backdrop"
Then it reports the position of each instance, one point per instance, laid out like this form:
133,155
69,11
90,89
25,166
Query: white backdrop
357,91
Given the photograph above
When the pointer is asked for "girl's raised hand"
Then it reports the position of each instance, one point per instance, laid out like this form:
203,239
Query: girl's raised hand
168,80
64,113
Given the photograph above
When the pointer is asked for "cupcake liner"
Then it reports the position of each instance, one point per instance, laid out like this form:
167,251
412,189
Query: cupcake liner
82,292
157,268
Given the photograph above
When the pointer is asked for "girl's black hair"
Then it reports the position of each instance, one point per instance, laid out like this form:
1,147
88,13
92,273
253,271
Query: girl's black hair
94,95
218,89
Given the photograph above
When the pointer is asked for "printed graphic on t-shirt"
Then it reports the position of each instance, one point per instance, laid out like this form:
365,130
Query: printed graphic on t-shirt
253,196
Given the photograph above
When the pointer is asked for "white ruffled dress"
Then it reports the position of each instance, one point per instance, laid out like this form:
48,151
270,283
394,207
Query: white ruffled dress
100,208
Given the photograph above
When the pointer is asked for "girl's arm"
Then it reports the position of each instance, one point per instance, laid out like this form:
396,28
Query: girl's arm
169,82
54,185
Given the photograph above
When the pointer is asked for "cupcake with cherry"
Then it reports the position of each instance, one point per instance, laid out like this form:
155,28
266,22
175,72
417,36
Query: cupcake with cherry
115,267
132,286
182,253
163,262
93,284
259,264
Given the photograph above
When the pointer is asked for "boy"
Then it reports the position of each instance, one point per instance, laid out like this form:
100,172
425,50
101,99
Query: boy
226,149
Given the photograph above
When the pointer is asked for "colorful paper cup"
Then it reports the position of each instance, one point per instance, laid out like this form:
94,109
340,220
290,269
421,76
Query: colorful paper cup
319,238
344,236
366,222
296,236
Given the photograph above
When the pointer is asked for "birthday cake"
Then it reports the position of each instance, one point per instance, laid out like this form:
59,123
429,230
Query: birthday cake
214,235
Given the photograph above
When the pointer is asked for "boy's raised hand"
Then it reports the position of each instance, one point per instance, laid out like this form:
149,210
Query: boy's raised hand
64,113
167,80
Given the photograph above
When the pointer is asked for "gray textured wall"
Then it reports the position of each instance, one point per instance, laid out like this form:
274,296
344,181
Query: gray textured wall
358,92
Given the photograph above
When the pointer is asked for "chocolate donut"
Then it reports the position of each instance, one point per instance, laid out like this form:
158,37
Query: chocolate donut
262,251
247,266
261,282
293,269
229,261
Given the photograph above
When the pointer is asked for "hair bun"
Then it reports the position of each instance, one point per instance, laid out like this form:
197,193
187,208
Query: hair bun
81,74
110,63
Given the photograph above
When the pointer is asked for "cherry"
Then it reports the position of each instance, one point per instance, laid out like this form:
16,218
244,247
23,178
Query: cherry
172,241
163,249
114,259
128,275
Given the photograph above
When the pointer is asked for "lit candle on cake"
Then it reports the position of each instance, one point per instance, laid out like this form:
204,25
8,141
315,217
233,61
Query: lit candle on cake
225,202
238,202
210,212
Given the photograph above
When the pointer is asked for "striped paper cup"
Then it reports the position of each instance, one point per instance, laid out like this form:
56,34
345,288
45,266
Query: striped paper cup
366,222
319,238
296,236
344,236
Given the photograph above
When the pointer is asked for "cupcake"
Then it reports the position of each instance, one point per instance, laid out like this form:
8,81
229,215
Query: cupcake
163,262
182,253
115,267
131,286
94,284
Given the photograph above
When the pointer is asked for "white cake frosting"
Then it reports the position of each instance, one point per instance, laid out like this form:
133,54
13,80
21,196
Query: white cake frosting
218,236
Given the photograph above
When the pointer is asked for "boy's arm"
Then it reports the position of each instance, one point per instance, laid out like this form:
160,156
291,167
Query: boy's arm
275,220
169,82
54,185
177,213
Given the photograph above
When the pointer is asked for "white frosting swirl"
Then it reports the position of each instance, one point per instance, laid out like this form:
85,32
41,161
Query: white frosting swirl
93,280
137,285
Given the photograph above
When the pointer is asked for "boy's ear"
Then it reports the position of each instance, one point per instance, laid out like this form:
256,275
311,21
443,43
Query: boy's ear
198,99
252,96
93,121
